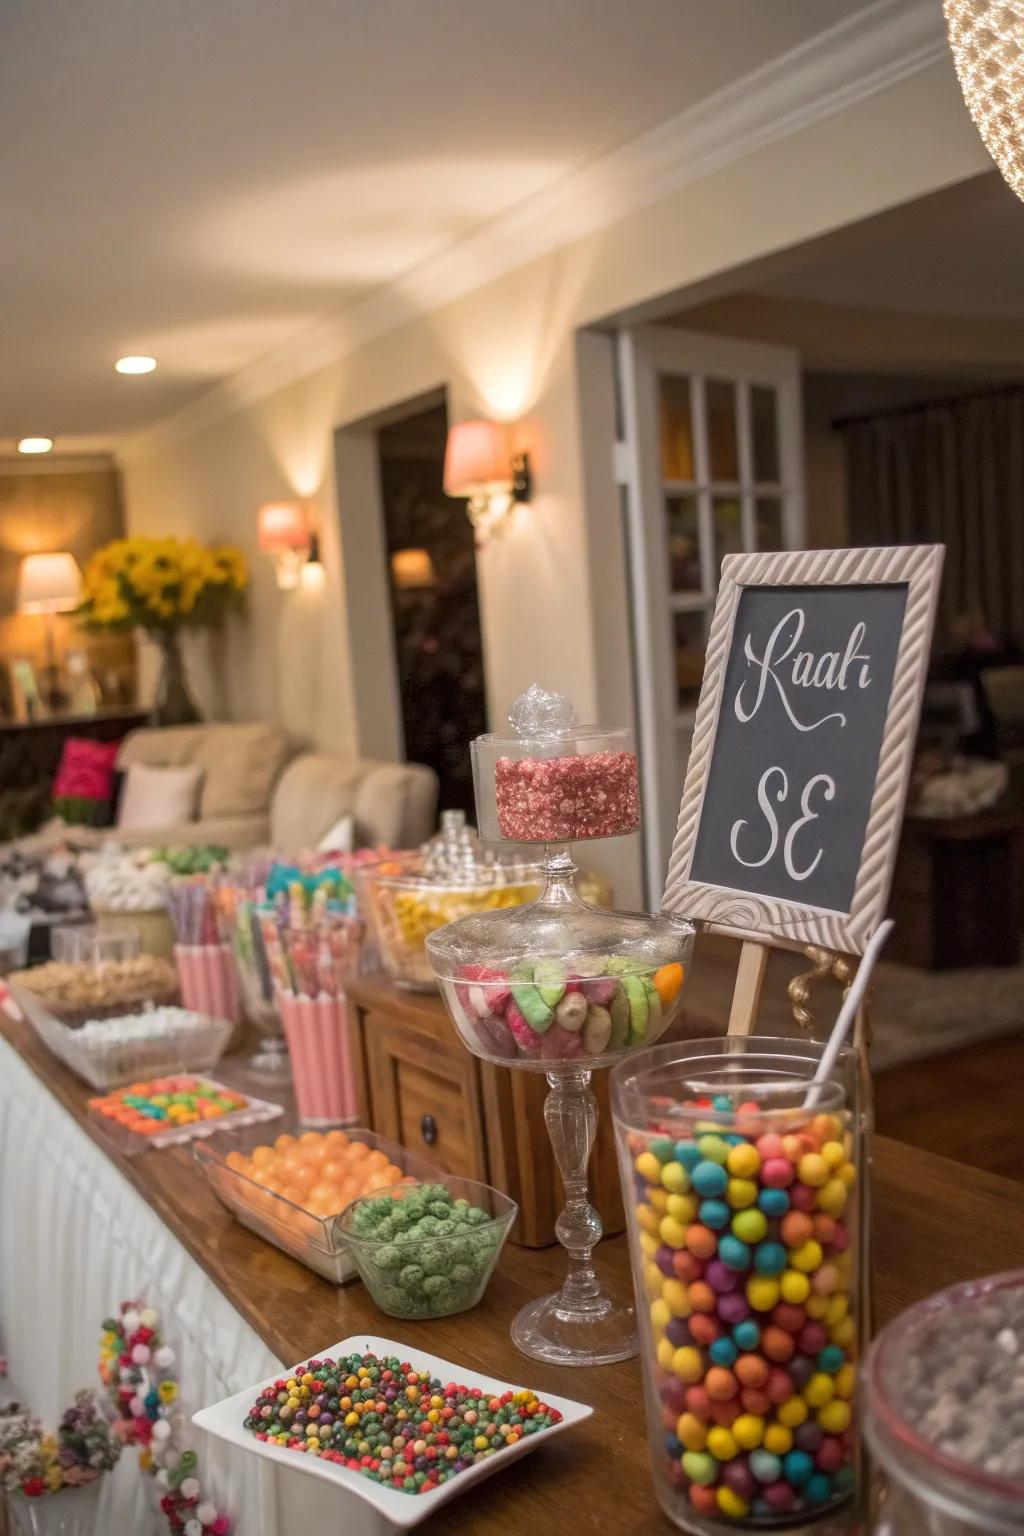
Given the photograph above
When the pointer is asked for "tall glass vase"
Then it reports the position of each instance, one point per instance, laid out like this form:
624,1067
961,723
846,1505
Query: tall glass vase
173,703
71,1512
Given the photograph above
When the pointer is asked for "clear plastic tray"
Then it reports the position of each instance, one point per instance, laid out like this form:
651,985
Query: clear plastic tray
131,1142
125,1061
313,1240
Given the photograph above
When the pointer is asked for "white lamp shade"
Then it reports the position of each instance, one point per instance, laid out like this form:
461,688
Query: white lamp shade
477,458
49,583
413,568
283,525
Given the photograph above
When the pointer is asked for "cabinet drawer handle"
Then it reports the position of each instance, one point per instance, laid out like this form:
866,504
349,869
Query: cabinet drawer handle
428,1129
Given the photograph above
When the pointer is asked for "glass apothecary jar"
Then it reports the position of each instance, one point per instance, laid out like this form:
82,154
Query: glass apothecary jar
944,1418
740,1187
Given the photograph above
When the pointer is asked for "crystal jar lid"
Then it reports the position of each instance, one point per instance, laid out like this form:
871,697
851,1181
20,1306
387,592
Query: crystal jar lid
456,858
552,780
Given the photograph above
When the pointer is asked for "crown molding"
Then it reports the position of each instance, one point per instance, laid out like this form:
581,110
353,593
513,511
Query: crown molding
870,51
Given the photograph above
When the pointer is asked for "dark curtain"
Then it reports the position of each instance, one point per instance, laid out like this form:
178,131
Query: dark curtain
953,474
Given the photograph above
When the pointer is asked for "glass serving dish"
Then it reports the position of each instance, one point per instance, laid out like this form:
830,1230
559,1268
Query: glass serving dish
82,990
563,988
309,1236
743,1215
407,898
944,1417
105,1059
110,1113
427,1250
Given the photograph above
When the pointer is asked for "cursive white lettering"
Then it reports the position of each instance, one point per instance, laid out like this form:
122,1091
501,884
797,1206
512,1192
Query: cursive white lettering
776,651
829,793
769,816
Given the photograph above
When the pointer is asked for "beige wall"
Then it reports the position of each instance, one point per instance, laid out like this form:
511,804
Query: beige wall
554,601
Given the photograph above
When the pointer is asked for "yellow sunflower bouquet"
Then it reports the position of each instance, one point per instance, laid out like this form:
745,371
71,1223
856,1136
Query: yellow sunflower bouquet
161,584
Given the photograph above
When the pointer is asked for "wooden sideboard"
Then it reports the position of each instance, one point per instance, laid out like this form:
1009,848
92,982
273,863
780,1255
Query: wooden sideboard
420,1086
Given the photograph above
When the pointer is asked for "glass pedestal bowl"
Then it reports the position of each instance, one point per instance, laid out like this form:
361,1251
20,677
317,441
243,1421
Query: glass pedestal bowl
564,988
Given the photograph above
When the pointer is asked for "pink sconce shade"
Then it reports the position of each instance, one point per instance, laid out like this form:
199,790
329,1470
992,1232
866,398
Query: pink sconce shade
477,458
283,525
49,583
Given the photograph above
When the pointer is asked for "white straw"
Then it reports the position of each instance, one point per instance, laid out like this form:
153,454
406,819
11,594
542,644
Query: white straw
848,1012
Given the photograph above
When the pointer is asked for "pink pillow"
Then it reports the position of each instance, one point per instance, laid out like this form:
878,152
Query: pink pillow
86,769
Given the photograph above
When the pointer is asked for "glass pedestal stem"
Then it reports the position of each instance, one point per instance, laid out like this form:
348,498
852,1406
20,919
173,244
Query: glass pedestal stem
580,1324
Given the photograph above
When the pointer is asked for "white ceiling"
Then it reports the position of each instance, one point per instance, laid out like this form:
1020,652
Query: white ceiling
205,179
958,253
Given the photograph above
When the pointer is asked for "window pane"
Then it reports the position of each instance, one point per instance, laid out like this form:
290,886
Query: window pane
722,446
768,512
676,428
683,543
728,528
690,649
764,416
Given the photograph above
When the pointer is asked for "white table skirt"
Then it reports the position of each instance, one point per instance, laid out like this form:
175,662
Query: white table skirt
75,1241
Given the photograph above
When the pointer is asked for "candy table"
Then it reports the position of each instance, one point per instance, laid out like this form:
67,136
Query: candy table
936,1223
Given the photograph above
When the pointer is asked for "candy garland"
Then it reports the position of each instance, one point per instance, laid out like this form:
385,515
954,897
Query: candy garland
136,1368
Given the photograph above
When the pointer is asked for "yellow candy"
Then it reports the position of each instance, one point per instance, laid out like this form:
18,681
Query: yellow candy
795,1287
835,1417
661,1314
847,1172
763,1293
819,1390
691,1432
721,1444
687,1363
743,1161
713,1149
748,1431
682,1207
843,1333
648,1167
832,1197
676,1299
649,1244
807,1257
675,1178
778,1439
838,1307
652,1281
658,1200
813,1170
741,1193
673,1233
664,1353
731,1504
846,1381
834,1153
647,1219
816,1307
793,1413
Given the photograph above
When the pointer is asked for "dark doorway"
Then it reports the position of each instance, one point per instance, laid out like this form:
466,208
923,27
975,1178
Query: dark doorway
434,606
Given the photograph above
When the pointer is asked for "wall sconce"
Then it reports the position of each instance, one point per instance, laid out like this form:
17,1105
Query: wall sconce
285,535
479,466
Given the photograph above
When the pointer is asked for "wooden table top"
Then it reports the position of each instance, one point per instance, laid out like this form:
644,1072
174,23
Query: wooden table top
935,1223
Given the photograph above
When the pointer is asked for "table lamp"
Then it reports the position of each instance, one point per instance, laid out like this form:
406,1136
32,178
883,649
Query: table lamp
49,584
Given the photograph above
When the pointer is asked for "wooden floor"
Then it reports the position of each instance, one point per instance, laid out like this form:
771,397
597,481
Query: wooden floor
967,1105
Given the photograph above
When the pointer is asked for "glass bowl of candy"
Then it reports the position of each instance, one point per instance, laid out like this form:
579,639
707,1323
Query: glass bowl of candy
411,896
290,1189
427,1250
944,1419
560,983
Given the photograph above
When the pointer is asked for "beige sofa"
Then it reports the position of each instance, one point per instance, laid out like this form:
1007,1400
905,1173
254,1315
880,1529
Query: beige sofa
258,789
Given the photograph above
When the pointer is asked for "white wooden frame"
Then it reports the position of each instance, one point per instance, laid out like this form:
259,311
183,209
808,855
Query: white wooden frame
646,354
761,917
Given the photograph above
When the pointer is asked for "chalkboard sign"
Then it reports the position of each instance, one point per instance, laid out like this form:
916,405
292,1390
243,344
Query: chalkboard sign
803,742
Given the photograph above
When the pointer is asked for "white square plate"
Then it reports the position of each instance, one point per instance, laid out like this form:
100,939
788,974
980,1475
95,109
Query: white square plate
225,1420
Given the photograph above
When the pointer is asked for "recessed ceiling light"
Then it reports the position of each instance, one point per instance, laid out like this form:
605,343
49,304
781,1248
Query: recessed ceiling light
35,444
135,364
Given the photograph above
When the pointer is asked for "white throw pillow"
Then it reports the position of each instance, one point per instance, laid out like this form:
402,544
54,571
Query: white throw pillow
337,839
158,797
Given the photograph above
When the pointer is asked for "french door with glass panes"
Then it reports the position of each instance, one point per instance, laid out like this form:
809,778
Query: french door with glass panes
711,459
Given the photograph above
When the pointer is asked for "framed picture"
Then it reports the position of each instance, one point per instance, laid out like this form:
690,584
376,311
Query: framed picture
803,743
